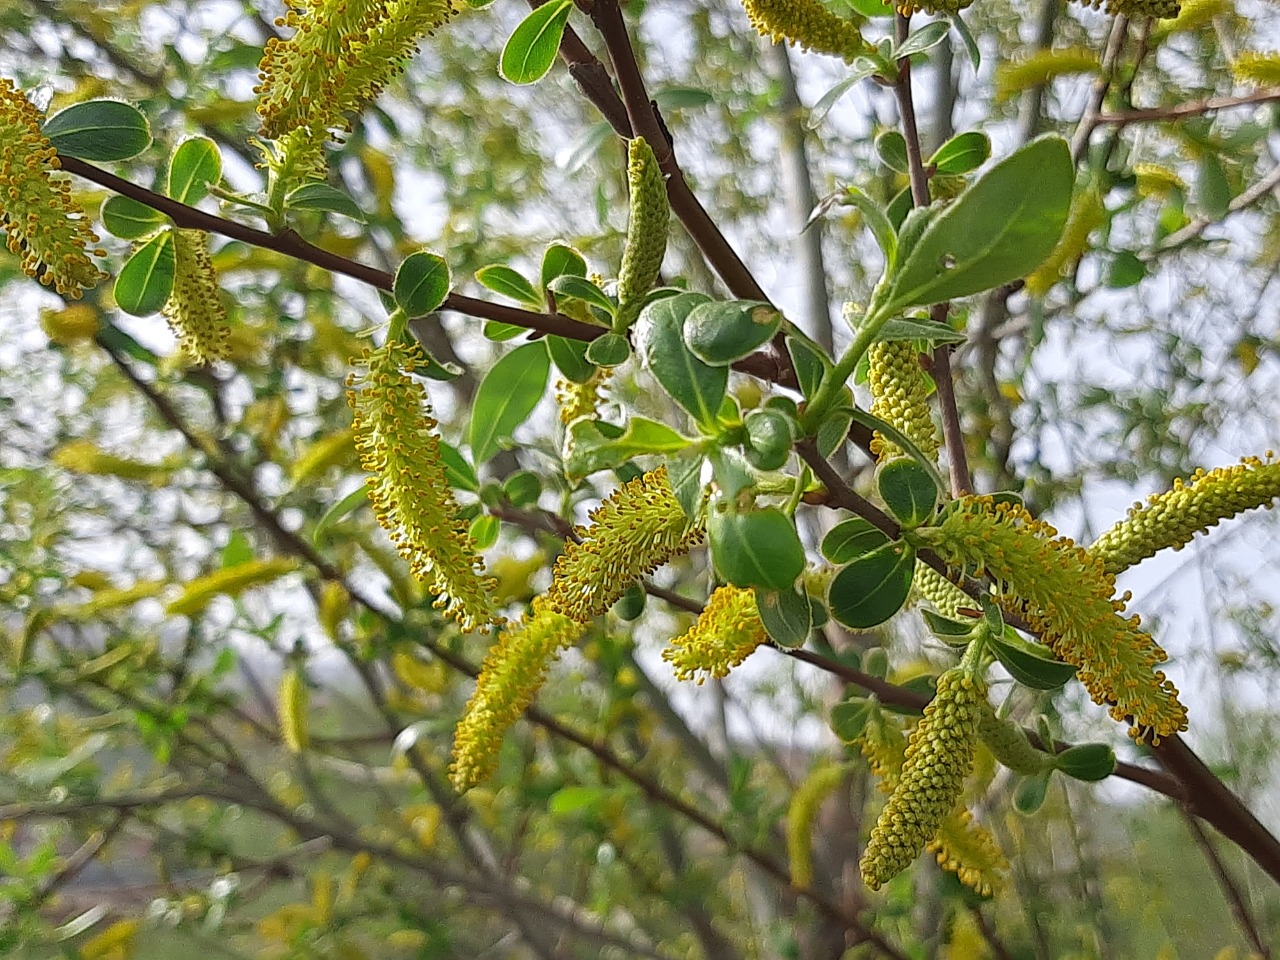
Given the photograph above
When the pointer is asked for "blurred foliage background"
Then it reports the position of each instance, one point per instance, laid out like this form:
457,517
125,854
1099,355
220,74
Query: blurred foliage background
148,806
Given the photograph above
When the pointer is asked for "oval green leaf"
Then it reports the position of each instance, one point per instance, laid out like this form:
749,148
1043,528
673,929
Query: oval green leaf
720,332
755,549
561,260
484,531
99,130
770,434
907,490
851,539
422,283
1090,762
1030,794
787,616
321,196
128,219
145,283
570,358
872,588
698,387
531,49
610,350
962,153
891,148
999,229
580,288
501,279
1027,664
810,363
194,165
507,395
849,719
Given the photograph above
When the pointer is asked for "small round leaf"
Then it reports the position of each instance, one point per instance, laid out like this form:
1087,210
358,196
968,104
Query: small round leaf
531,49
851,539
962,153
849,719
721,332
1030,795
128,219
611,350
871,589
631,604
421,283
907,490
1027,662
787,616
194,165
99,130
756,549
769,437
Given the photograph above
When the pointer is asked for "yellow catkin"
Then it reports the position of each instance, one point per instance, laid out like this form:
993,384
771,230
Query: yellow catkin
581,401
398,446
802,813
938,758
1155,180
1008,744
86,457
333,450
47,229
636,530
647,223
900,397
1067,596
229,582
1194,15
512,673
726,632
908,7
1087,214
1171,519
73,324
1041,67
195,310
962,846
945,596
291,709
1257,68
340,56
807,24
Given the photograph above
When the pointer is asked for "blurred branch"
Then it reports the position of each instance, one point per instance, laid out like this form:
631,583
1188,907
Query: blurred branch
1194,108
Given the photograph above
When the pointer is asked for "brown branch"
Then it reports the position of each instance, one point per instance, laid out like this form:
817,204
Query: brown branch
1230,889
1179,111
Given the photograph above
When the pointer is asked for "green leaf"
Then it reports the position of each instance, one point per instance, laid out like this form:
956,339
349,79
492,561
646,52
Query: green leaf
787,616
759,548
919,328
592,448
610,350
422,282
957,633
522,488
531,49
962,153
720,332
922,40
849,719
128,219
503,280
966,36
338,512
499,332
194,165
682,98
862,68
851,539
561,260
1027,662
833,431
878,221
582,149
321,196
631,604
145,283
685,475
570,358
1127,270
99,130
461,475
484,531
1213,192
1089,762
698,387
871,589
770,433
908,490
999,229
810,363
580,288
891,148
1030,794
569,801
507,395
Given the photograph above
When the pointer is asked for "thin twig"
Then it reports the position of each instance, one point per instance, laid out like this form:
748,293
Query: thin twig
1179,111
